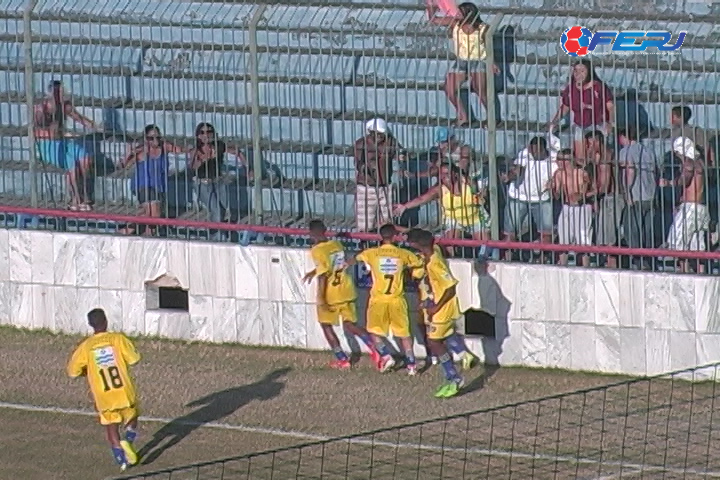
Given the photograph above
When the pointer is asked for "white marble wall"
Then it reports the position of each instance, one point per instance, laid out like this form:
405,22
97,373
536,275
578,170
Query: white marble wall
597,320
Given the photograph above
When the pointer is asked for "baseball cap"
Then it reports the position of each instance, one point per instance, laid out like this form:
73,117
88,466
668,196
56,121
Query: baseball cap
376,125
443,134
685,147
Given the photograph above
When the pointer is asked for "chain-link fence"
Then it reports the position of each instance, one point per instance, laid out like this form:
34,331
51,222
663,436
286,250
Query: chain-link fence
255,113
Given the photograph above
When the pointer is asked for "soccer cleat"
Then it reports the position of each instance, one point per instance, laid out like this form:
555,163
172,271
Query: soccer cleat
434,360
412,369
450,389
130,453
453,388
467,361
375,357
440,392
340,364
386,364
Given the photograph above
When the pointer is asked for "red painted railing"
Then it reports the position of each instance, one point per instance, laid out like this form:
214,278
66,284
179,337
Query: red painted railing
171,222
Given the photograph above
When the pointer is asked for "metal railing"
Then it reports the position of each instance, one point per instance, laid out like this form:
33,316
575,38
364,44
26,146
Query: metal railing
290,88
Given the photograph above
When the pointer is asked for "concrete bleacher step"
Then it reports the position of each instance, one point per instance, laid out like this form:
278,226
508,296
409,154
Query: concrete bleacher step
376,24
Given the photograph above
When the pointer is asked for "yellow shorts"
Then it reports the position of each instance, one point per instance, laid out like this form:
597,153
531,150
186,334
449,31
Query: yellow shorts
440,331
333,314
122,416
385,316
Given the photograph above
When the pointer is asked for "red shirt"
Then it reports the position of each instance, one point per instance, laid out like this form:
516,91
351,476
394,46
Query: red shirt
589,105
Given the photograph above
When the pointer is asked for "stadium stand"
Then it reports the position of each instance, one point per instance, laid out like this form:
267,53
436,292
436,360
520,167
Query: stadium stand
321,71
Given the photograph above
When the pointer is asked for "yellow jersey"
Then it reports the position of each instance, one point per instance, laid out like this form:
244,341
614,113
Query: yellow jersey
104,358
329,259
424,291
387,264
440,279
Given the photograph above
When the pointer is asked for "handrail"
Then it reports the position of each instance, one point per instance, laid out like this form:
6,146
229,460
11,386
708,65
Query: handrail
301,232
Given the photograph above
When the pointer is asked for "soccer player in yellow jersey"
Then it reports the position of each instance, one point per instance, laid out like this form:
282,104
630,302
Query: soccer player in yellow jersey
387,310
104,358
455,342
336,294
441,312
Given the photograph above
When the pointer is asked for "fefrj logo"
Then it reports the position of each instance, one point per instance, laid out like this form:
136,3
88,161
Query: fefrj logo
578,41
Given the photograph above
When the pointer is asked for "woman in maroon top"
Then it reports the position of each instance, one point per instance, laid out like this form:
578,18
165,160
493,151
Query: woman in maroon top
591,103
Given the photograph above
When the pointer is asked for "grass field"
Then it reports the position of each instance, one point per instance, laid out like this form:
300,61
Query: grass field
203,402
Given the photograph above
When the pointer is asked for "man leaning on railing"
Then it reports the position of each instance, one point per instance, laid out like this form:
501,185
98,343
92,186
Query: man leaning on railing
374,154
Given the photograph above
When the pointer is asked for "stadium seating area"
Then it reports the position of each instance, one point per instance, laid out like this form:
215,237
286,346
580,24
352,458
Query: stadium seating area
322,71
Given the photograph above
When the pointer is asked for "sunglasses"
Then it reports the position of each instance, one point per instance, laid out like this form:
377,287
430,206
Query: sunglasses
152,137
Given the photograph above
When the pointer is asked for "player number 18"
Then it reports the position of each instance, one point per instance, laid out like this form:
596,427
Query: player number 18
111,378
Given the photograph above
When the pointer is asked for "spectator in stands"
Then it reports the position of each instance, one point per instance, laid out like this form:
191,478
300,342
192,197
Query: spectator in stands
56,148
206,162
639,183
529,198
149,181
692,218
609,203
374,154
468,34
679,127
591,103
463,207
572,186
449,150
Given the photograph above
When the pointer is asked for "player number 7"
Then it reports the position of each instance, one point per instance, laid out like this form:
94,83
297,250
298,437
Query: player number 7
390,279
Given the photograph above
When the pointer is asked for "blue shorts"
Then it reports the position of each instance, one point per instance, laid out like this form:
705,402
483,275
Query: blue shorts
518,214
470,66
65,154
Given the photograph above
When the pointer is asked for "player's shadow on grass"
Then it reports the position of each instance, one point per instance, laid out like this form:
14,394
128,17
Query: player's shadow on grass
497,305
213,407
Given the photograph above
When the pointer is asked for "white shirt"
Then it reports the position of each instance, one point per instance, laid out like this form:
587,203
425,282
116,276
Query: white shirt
532,185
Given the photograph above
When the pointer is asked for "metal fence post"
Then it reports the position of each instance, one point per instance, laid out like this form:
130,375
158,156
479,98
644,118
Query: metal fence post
30,97
256,122
492,128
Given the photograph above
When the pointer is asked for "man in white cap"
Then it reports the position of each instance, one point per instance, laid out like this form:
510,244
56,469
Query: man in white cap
374,154
692,217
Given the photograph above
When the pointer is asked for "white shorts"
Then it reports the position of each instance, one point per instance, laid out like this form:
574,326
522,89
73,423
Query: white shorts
579,132
690,224
575,225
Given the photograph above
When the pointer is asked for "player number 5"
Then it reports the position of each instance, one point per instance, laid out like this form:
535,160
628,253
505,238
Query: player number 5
336,278
111,378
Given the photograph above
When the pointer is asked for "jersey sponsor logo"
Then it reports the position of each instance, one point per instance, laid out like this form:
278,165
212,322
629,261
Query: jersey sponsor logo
337,261
389,265
104,356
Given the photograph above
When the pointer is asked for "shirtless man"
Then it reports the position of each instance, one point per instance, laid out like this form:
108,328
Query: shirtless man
609,204
56,148
692,217
571,183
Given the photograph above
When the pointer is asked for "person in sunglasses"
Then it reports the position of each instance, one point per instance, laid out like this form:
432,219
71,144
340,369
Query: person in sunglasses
149,180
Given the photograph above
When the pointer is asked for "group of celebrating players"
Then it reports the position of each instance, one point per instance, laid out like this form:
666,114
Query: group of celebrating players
387,309
105,357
